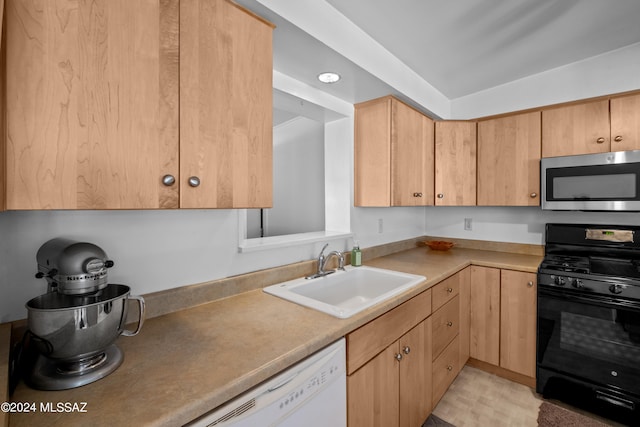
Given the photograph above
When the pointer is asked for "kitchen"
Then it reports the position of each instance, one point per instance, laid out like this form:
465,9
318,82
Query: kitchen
202,245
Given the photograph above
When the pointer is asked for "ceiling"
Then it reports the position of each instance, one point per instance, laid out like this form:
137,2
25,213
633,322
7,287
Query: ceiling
459,47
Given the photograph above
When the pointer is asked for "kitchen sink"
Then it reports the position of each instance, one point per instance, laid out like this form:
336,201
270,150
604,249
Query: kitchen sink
345,293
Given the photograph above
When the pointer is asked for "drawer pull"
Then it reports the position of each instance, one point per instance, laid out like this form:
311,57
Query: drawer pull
449,290
530,284
406,350
449,368
398,357
449,324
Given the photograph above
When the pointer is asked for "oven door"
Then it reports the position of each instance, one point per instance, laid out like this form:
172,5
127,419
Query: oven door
591,338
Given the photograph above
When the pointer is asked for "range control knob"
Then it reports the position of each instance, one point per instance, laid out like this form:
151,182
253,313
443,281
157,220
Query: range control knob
559,281
616,289
577,283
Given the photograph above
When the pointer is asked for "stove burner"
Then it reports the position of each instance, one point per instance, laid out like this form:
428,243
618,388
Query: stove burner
569,264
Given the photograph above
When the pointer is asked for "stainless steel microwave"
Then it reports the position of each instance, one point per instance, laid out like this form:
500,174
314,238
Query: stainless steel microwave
591,182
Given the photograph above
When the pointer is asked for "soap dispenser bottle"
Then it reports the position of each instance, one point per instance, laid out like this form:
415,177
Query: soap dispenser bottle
356,255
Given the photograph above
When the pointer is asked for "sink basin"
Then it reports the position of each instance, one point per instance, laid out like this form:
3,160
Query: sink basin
345,293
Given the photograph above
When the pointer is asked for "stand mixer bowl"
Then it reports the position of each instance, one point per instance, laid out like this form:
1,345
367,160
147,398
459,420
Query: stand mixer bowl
69,328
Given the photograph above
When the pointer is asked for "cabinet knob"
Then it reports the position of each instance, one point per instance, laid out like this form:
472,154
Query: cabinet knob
449,290
449,324
618,138
449,368
398,357
600,140
406,350
533,195
194,181
417,194
168,180
530,284
440,196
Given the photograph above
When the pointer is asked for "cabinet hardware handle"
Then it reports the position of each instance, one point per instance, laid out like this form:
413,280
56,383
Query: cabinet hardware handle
449,324
194,181
529,284
449,368
533,195
440,195
618,138
406,350
600,140
449,290
168,180
398,357
417,194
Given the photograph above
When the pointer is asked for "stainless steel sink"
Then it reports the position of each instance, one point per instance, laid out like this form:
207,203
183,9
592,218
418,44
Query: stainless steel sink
345,293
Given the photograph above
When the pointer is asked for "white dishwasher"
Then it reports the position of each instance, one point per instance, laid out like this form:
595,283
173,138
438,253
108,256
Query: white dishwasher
311,393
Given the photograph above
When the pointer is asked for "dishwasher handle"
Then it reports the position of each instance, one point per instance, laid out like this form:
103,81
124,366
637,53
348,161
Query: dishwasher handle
283,383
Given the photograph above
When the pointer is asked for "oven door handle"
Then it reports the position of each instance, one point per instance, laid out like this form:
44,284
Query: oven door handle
592,299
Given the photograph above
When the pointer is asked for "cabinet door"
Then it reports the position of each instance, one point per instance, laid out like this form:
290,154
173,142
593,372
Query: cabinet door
455,163
464,278
411,157
225,106
518,322
373,398
485,314
576,129
415,375
372,154
92,104
625,123
509,161
2,124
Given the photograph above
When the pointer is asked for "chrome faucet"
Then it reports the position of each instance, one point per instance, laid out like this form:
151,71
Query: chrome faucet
322,262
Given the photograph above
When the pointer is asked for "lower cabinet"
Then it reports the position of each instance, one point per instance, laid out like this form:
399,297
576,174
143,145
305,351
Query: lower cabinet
503,319
394,387
445,369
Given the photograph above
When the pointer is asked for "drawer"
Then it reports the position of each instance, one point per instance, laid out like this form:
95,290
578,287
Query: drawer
367,341
445,291
445,370
445,325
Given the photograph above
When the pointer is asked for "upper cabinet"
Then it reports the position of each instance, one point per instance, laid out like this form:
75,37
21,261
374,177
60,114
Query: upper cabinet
509,161
108,105
225,106
625,123
592,127
455,163
394,149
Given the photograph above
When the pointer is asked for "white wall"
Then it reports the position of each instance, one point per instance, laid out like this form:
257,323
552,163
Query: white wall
612,72
511,224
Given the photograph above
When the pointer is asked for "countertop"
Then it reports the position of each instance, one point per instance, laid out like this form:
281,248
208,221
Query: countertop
187,363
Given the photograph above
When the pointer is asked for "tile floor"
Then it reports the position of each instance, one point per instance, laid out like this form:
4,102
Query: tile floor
477,398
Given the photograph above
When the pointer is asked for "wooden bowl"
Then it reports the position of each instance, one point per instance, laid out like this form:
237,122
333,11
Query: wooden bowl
439,245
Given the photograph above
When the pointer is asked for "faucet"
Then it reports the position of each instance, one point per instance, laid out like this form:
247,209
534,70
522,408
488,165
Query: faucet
322,262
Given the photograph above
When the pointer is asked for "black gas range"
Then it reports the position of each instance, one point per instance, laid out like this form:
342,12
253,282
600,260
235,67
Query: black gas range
588,351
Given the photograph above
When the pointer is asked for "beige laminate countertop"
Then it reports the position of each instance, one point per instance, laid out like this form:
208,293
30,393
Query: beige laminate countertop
186,363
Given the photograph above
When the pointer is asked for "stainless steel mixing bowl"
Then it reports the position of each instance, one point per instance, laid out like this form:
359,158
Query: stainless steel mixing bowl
67,327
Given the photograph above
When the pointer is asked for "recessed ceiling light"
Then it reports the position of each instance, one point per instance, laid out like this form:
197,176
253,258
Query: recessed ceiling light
328,77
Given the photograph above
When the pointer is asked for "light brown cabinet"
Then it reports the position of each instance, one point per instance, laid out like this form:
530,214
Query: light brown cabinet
503,319
485,315
100,105
389,382
394,154
509,161
455,163
592,127
518,304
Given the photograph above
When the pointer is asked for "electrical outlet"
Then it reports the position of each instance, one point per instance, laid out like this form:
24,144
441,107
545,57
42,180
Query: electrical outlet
380,226
467,224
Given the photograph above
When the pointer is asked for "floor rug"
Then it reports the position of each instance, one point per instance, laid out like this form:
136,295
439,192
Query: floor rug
551,415
437,422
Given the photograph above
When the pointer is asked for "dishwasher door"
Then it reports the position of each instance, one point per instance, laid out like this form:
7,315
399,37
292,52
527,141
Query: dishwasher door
312,393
